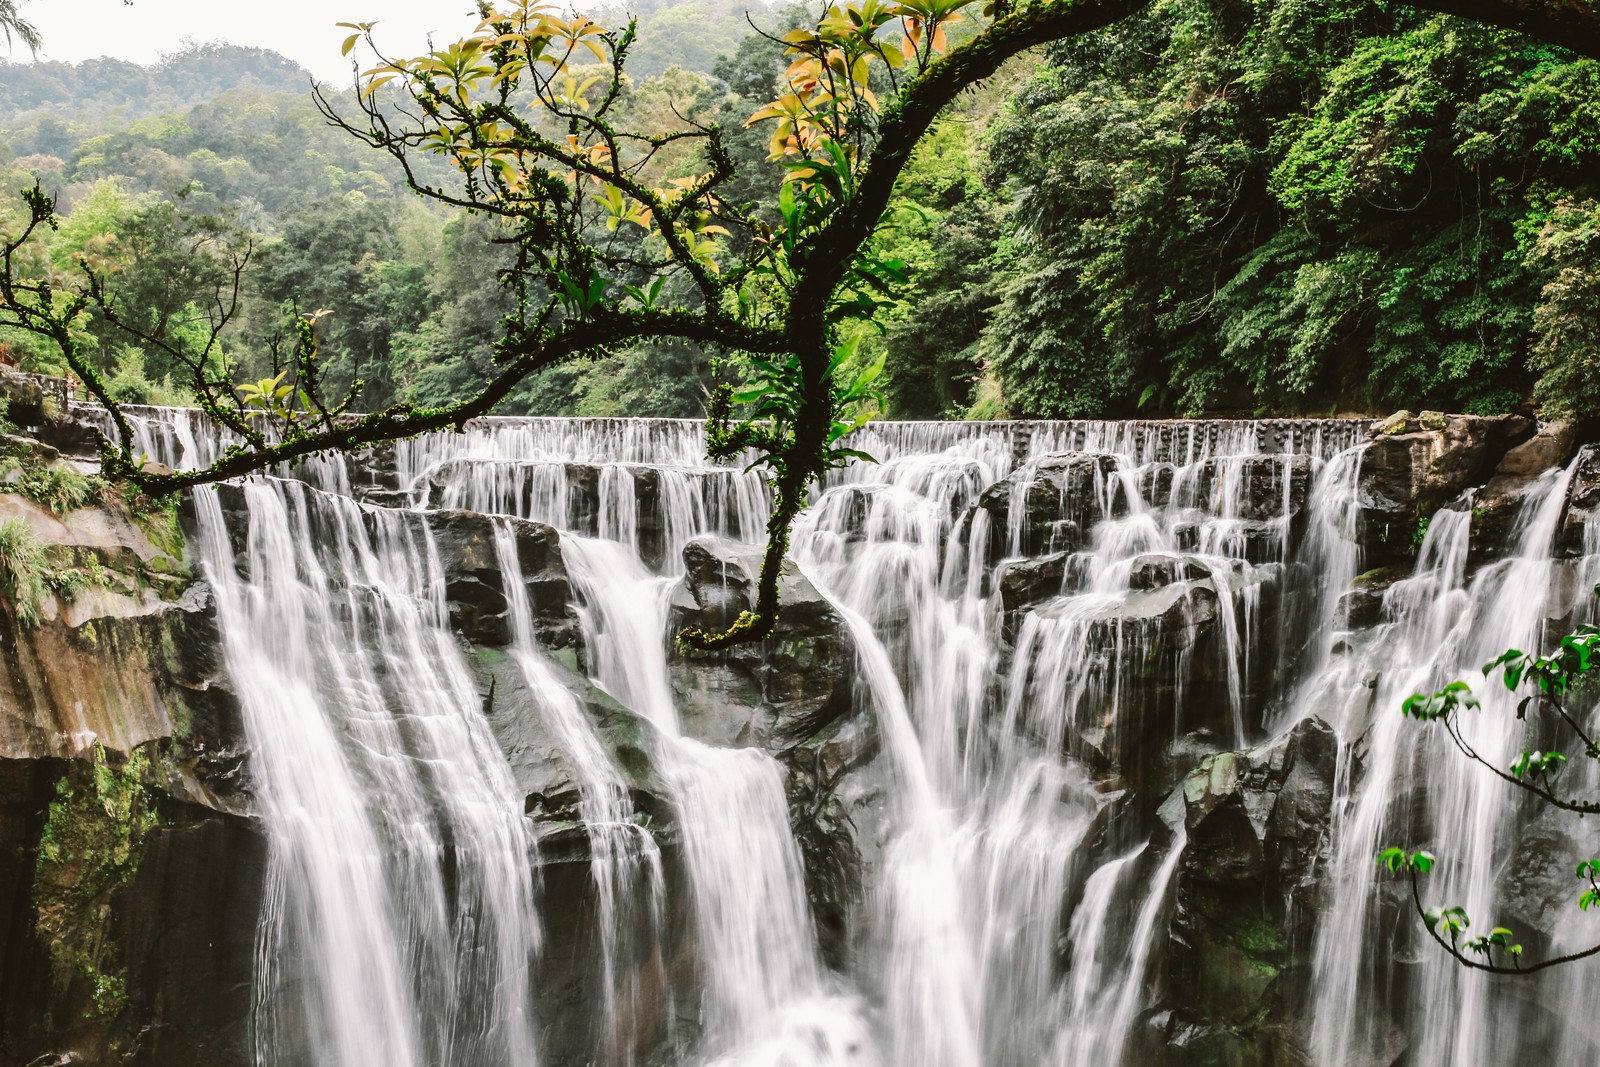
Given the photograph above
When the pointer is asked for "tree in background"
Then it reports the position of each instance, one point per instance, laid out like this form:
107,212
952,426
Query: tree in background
16,28
603,219
1291,207
619,235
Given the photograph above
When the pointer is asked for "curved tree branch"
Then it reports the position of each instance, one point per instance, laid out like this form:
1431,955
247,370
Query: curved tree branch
1479,965
907,119
531,355
1573,24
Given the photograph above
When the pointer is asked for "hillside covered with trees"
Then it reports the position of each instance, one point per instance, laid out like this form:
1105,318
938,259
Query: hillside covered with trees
1208,207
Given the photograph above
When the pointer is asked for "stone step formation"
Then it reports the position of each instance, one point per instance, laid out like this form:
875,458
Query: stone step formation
1072,746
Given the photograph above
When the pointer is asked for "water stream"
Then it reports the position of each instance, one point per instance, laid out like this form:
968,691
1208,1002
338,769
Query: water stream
1051,624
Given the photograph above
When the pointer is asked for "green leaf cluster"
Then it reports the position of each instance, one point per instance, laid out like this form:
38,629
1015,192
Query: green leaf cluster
1297,207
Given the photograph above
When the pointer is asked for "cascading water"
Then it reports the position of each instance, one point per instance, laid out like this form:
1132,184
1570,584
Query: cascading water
1440,625
1159,533
400,925
625,861
765,998
1051,624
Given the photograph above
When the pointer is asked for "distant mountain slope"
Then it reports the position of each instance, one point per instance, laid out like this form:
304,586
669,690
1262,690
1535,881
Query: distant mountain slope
130,91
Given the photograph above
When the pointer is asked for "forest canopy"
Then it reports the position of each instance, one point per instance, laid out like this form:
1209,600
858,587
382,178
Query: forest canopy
1205,208
1188,206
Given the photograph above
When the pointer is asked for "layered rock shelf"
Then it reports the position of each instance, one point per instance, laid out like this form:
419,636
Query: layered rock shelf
1139,607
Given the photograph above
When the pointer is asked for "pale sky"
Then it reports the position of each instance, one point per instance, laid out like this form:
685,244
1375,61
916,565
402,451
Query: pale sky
303,30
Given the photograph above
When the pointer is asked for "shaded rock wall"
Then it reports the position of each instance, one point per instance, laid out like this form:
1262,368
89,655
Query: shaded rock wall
1254,838
128,932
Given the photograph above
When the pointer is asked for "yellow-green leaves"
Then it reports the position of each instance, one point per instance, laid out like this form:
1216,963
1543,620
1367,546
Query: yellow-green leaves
796,130
621,208
269,397
829,81
362,29
573,90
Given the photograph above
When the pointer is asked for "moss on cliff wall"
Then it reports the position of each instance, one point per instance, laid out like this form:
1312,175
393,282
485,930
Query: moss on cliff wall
89,852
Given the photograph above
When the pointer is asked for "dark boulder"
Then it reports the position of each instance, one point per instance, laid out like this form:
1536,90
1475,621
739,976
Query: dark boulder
1580,529
1027,581
1414,466
1553,445
1361,606
1052,503
772,694
1155,570
1256,488
475,583
1496,508
1254,833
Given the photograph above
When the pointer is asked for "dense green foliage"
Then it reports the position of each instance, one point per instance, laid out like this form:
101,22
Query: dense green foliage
690,34
1209,207
414,291
1293,207
115,90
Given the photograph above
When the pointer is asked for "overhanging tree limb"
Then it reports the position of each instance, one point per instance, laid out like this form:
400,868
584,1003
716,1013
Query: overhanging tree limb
565,182
1572,24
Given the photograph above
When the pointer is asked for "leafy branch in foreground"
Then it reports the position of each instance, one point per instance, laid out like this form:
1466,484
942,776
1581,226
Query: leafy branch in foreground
1552,679
619,235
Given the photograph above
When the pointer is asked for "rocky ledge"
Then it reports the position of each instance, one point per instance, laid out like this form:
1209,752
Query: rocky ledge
129,863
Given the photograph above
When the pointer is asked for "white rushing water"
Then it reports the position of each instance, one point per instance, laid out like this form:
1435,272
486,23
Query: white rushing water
400,926
1439,625
1041,615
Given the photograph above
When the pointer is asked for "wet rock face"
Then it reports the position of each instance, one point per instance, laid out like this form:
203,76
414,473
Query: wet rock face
660,990
771,695
833,794
475,584
176,929
147,959
1583,506
1053,502
541,764
1255,830
1150,689
1414,466
1254,488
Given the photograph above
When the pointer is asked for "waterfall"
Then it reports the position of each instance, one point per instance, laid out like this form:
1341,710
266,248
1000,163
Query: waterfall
625,861
1051,625
995,817
765,998
400,925
1441,625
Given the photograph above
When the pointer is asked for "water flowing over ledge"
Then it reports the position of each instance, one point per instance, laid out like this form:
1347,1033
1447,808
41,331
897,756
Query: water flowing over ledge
1073,745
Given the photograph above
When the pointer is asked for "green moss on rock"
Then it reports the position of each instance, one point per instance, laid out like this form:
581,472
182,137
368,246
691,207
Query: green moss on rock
89,852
